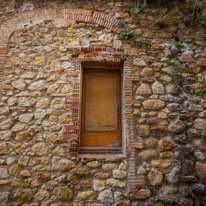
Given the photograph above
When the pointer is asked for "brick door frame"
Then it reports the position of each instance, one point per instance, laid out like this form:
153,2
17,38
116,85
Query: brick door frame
66,18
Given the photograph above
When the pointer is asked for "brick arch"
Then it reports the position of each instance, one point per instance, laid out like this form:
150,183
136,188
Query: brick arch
62,17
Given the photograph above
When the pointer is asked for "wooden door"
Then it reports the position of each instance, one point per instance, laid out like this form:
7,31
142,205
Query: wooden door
101,111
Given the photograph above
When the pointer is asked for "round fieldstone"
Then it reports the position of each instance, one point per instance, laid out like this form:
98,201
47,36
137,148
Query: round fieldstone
63,193
119,174
147,155
177,127
153,104
105,196
42,103
57,104
39,61
19,84
39,114
4,148
115,183
155,177
14,61
158,88
98,185
88,196
38,85
143,89
40,149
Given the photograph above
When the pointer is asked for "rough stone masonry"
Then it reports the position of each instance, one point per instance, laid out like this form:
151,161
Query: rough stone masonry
42,48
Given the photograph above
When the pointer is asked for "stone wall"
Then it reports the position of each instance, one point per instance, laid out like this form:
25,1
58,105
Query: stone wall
163,107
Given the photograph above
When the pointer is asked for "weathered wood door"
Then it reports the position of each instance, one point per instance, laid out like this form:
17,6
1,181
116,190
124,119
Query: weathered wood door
101,111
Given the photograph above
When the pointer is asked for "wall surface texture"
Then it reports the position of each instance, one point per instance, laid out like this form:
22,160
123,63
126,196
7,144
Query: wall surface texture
44,47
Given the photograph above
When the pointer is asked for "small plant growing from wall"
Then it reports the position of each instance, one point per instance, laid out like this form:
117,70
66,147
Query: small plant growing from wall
137,7
191,120
203,140
201,93
171,62
200,21
125,33
178,45
125,55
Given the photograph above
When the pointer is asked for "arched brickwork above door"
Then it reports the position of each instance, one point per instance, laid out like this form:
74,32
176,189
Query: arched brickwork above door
61,18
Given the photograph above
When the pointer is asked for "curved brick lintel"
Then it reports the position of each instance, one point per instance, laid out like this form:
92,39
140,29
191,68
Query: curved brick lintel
61,17
69,15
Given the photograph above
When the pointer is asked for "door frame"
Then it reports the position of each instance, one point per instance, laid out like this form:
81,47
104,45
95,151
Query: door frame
101,150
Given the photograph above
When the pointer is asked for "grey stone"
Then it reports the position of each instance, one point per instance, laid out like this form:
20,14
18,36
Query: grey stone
41,195
57,104
4,173
19,84
177,126
50,185
39,114
181,138
173,89
42,103
4,110
147,155
109,166
61,164
23,94
192,107
203,103
119,174
118,196
200,156
4,196
200,124
40,148
139,62
141,170
105,196
185,201
25,117
173,107
172,70
189,179
23,160
199,188
38,85
153,104
11,101
10,160
193,133
170,98
115,183
24,102
66,89
5,135
6,124
173,176
66,65
28,75
88,196
155,177
143,89
23,195
98,185
166,78
158,88
188,167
